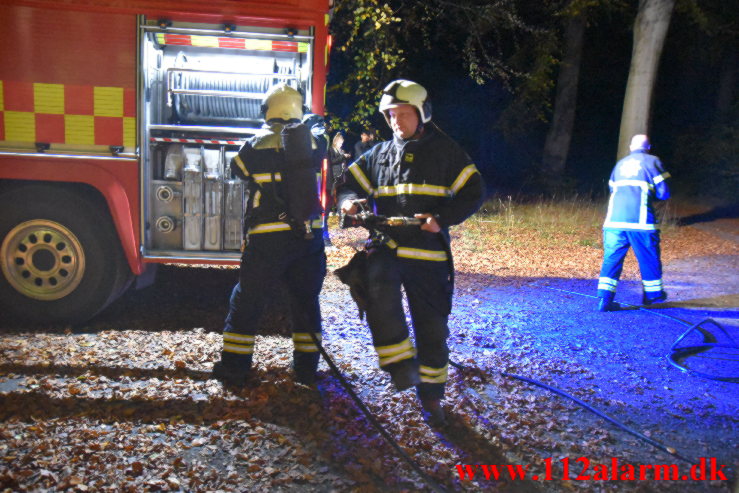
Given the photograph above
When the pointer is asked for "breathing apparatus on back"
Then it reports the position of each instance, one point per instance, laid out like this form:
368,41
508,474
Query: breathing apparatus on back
301,158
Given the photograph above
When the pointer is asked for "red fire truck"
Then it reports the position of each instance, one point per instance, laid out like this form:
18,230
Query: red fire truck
118,119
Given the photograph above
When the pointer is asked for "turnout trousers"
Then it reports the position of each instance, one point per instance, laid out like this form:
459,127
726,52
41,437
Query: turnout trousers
616,245
428,289
267,259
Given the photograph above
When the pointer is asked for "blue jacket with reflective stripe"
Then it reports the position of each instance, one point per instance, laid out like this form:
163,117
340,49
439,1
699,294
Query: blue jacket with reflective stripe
636,182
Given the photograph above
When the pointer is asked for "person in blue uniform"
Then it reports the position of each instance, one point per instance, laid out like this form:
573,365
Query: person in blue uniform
637,181
278,248
421,172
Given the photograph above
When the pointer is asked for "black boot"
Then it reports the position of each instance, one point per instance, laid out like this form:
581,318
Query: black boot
230,374
433,413
662,296
305,366
404,374
607,305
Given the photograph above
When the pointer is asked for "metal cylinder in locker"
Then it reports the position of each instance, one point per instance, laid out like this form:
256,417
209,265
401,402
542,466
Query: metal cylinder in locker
174,161
192,199
213,198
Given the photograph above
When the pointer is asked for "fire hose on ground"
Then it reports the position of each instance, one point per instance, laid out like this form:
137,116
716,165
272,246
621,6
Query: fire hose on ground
679,353
372,221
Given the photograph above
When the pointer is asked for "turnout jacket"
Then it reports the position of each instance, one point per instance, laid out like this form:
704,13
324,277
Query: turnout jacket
259,163
431,174
636,182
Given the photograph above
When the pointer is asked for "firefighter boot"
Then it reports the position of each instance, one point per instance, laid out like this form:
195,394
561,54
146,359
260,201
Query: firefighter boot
606,304
433,413
305,366
231,370
662,296
404,374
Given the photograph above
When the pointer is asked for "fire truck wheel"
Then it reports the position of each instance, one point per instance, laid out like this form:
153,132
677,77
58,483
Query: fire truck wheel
60,256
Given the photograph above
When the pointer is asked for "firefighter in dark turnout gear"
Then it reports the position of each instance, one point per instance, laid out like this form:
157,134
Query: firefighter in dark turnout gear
421,172
637,181
278,245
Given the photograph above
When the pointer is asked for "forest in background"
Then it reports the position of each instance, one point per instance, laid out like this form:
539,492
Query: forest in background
492,72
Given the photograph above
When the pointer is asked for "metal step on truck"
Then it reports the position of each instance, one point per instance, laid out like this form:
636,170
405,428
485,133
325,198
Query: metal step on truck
117,124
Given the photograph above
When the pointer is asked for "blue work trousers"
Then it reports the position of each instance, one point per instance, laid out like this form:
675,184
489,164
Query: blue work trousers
616,245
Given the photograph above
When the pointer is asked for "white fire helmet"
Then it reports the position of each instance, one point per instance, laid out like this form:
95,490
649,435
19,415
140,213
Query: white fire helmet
403,91
639,141
282,102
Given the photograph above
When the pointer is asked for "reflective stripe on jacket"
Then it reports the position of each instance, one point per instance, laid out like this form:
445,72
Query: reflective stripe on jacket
429,175
636,182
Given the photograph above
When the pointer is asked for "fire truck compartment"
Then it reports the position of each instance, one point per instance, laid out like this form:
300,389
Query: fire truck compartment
201,96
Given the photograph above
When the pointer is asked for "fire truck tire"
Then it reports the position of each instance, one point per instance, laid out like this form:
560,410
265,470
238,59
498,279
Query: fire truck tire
60,256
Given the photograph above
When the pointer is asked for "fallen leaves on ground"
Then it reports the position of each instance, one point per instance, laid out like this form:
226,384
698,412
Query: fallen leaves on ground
127,409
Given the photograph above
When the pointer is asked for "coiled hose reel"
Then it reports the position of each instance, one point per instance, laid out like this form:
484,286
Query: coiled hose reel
241,94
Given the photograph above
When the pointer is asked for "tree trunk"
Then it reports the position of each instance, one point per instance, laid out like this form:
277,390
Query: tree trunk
726,85
650,30
557,144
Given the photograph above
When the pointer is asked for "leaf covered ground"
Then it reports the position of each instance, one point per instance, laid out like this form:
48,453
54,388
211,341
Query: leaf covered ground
126,403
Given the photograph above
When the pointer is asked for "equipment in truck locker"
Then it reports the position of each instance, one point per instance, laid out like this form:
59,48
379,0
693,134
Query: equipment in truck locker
204,98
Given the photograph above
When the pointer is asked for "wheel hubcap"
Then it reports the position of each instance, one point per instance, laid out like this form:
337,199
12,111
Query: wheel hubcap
42,260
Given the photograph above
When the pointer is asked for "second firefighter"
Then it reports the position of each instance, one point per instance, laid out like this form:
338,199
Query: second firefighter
284,241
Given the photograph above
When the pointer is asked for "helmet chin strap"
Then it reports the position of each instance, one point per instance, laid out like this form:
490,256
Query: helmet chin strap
420,127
